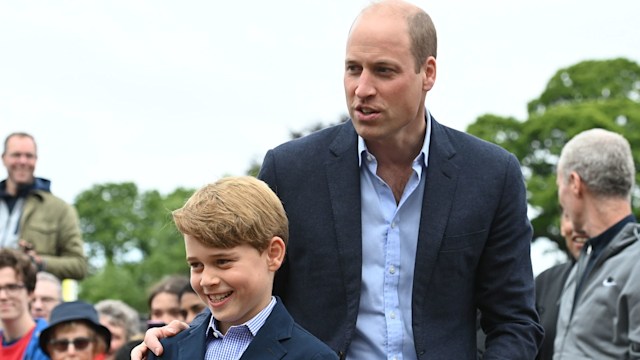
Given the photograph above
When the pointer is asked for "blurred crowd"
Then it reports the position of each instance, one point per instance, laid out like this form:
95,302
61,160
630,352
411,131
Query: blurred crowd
37,324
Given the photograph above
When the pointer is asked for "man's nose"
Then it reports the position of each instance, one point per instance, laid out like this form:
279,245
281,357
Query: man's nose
365,87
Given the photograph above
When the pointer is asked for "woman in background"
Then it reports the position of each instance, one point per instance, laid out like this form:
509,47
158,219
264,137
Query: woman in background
164,300
75,333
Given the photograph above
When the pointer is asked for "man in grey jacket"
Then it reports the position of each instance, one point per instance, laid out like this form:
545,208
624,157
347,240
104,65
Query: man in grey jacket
599,314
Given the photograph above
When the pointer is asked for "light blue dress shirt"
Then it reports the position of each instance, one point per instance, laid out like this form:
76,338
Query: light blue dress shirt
389,241
232,345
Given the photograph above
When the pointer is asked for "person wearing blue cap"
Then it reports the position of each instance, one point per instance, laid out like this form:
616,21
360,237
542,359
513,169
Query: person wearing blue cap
75,332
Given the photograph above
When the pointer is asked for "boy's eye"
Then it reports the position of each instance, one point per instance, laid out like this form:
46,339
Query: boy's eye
195,266
223,261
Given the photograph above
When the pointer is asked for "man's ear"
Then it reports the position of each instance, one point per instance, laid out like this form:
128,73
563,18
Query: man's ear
428,73
576,184
275,253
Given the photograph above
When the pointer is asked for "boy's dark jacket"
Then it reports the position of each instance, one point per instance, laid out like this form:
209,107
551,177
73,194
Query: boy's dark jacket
279,338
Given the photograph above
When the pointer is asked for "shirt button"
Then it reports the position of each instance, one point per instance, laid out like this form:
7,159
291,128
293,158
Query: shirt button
392,269
369,157
393,225
392,315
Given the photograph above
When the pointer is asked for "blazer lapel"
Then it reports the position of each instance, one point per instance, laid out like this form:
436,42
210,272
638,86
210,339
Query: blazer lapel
193,345
442,175
266,345
343,179
440,186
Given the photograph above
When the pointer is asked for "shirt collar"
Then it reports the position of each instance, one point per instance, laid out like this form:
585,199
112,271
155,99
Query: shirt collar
254,324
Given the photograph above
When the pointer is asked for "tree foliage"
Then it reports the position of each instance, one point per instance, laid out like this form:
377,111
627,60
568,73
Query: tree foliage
590,80
603,94
131,240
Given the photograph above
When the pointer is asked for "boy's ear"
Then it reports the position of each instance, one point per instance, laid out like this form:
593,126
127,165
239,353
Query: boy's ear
275,253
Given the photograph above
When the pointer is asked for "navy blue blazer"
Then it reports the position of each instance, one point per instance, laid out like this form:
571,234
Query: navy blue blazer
279,338
473,244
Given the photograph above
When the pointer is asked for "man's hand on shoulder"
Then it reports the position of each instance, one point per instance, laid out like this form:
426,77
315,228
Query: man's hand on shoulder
152,339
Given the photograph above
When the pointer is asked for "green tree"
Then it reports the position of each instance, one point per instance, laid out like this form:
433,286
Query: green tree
131,240
590,80
603,93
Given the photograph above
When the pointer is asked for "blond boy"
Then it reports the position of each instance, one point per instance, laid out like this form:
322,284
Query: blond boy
235,234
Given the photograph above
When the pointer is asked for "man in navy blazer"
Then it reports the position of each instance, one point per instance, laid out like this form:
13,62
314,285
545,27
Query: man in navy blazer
279,338
473,242
401,228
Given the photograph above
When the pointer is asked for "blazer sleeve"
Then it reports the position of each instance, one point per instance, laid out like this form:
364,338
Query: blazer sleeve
505,283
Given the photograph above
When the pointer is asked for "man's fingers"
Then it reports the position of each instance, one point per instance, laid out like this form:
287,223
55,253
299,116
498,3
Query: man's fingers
139,352
173,328
152,339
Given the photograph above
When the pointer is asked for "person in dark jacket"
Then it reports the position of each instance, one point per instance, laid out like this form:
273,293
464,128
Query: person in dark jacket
550,282
401,227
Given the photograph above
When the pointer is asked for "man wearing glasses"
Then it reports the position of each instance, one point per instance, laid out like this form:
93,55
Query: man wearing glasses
19,334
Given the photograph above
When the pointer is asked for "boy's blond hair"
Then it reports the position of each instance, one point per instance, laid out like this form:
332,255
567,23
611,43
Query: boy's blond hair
234,211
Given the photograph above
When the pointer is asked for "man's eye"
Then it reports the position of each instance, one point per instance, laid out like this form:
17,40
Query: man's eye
352,68
29,156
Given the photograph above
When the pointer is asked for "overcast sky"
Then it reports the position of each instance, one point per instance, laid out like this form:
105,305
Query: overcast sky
180,93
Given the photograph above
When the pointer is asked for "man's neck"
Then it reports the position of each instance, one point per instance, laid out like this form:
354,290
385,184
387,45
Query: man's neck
395,157
12,188
604,214
14,329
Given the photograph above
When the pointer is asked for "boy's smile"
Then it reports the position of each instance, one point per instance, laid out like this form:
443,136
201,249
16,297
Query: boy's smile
235,283
220,297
